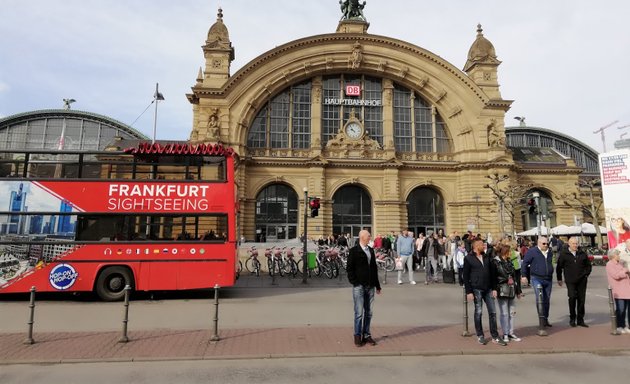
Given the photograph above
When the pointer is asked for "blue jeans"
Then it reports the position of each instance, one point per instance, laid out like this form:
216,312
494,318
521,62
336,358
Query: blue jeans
363,298
622,309
507,312
480,297
546,294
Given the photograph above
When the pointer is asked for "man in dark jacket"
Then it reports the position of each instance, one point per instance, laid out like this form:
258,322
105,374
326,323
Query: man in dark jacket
479,281
538,267
363,276
576,267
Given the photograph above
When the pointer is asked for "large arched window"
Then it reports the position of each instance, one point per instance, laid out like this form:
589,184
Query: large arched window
285,121
276,213
425,211
418,127
352,210
371,113
546,211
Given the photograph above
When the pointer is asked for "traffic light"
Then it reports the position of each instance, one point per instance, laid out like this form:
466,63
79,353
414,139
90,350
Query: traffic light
531,203
314,204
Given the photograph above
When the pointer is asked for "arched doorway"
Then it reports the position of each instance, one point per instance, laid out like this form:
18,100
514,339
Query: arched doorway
352,210
276,213
425,211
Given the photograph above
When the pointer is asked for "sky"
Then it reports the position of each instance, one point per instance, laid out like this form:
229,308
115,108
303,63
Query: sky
564,62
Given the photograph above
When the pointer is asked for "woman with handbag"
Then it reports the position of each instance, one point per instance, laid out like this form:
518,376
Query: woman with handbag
508,288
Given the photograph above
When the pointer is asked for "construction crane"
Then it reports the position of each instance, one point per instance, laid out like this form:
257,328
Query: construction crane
602,129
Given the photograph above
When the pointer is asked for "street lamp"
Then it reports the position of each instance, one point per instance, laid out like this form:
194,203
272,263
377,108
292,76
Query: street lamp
477,197
156,97
536,196
305,250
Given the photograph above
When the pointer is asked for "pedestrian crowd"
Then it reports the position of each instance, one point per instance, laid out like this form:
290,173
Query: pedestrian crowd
490,271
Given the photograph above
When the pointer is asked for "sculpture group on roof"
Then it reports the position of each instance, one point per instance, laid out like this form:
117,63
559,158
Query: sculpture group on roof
352,9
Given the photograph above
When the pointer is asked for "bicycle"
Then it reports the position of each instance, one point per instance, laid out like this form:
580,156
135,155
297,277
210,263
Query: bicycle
384,260
274,262
290,266
252,264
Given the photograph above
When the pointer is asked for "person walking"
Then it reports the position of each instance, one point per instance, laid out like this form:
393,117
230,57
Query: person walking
430,252
419,256
619,282
538,269
404,245
508,289
363,276
479,281
460,255
577,267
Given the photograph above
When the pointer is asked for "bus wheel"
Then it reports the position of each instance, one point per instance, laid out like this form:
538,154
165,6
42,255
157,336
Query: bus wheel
110,285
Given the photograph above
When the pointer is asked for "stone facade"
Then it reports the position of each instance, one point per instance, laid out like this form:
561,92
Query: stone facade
469,102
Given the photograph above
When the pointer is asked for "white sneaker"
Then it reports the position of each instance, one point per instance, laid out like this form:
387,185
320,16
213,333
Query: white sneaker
506,338
399,281
513,337
620,330
412,282
626,330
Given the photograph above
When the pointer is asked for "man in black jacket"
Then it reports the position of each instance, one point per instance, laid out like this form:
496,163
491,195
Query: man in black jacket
479,278
363,276
576,267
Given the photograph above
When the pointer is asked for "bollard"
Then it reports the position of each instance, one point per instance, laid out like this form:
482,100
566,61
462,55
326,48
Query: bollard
124,338
29,339
466,333
385,275
613,316
541,312
215,336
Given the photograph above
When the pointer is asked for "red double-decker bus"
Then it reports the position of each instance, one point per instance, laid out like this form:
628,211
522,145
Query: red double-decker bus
155,217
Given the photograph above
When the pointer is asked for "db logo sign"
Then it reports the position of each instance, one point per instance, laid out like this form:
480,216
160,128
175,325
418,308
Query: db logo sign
353,90
63,276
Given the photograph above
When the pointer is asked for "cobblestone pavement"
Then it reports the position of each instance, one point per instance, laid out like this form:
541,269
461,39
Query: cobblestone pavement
412,327
292,342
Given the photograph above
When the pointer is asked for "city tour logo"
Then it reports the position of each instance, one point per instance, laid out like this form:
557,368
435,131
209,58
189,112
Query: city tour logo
63,276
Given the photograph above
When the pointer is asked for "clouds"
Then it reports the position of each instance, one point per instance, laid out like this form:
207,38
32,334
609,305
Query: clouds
565,67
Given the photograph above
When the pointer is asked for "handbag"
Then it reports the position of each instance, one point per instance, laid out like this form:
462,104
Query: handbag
507,290
399,264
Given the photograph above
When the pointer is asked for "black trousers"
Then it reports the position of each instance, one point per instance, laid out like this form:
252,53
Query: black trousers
577,297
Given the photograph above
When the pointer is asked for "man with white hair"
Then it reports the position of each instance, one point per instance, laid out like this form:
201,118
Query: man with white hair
363,276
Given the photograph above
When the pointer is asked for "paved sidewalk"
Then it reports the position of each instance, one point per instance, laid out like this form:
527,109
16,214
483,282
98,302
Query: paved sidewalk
293,342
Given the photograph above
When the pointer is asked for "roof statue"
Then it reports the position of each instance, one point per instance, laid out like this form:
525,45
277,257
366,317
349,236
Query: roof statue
352,10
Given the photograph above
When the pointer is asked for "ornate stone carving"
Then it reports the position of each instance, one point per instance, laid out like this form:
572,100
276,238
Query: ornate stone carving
404,71
440,95
317,94
465,130
214,125
382,65
356,57
330,63
496,138
423,82
455,111
307,67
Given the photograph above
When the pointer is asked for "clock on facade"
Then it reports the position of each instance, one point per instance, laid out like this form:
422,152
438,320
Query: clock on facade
354,130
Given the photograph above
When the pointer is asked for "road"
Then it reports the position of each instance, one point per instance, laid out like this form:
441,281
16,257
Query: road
513,369
255,302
